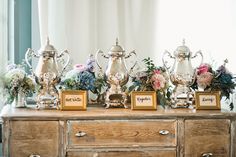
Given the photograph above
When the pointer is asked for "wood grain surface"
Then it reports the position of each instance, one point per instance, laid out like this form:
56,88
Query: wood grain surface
123,133
130,153
207,136
34,137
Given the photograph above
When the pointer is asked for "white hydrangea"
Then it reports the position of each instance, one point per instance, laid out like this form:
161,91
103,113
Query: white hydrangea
72,73
15,74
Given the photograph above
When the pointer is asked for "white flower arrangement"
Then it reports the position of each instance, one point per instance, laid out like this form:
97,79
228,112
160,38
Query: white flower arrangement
16,80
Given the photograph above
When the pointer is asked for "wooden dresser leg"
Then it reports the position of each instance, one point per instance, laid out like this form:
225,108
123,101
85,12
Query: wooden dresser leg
233,138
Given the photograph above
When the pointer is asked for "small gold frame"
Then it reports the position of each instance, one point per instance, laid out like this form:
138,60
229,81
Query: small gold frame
143,100
207,100
73,100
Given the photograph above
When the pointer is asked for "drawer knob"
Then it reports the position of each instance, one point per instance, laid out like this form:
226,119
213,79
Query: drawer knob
80,134
164,132
34,155
207,154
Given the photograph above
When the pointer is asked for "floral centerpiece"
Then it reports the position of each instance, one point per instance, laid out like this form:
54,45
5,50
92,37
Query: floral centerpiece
17,83
208,79
153,78
82,77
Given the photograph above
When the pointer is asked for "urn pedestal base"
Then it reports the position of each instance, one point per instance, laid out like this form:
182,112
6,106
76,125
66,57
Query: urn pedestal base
182,97
44,102
116,100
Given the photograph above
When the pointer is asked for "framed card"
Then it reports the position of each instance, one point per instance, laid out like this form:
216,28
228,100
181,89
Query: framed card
73,100
207,100
143,100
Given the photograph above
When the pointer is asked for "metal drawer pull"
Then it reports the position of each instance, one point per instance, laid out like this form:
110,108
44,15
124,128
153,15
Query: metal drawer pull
34,155
164,132
80,134
207,154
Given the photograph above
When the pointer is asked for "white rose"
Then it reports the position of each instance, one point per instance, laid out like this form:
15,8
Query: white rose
15,73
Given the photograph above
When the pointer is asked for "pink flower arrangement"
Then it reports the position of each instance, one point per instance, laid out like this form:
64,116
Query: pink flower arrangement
209,79
152,78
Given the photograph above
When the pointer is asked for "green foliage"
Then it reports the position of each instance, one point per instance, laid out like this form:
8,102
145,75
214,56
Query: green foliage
149,65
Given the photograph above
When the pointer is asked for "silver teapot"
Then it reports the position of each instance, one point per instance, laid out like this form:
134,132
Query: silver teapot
182,74
47,74
116,75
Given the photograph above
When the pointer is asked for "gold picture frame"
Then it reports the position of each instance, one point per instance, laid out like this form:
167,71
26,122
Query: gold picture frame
73,100
143,100
207,100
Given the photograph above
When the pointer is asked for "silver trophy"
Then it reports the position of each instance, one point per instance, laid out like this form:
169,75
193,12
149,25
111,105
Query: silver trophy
182,74
116,75
47,74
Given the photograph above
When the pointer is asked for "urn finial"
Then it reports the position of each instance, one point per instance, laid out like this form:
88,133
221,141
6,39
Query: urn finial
47,41
117,41
183,41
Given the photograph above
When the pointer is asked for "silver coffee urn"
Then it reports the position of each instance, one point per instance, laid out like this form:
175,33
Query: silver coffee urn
47,74
182,74
116,75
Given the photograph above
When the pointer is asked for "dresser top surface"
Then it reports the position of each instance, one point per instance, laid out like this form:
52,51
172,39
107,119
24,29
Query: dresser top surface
9,112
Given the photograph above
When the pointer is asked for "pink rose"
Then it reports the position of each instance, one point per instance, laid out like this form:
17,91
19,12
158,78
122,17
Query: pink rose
202,69
204,79
158,81
80,67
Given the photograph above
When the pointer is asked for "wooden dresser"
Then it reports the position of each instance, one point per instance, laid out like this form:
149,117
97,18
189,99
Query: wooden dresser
100,132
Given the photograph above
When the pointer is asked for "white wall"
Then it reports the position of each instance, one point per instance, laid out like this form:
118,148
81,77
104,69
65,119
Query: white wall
148,26
208,25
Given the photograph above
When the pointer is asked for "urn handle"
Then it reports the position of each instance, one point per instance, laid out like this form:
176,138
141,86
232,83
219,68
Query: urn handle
135,63
65,52
196,54
29,55
165,62
96,58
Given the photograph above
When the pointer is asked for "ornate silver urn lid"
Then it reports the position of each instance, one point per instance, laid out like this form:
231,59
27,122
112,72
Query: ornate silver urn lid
47,49
116,50
182,51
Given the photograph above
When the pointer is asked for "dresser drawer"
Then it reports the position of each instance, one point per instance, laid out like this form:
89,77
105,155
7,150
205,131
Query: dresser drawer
207,136
122,133
128,153
34,137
